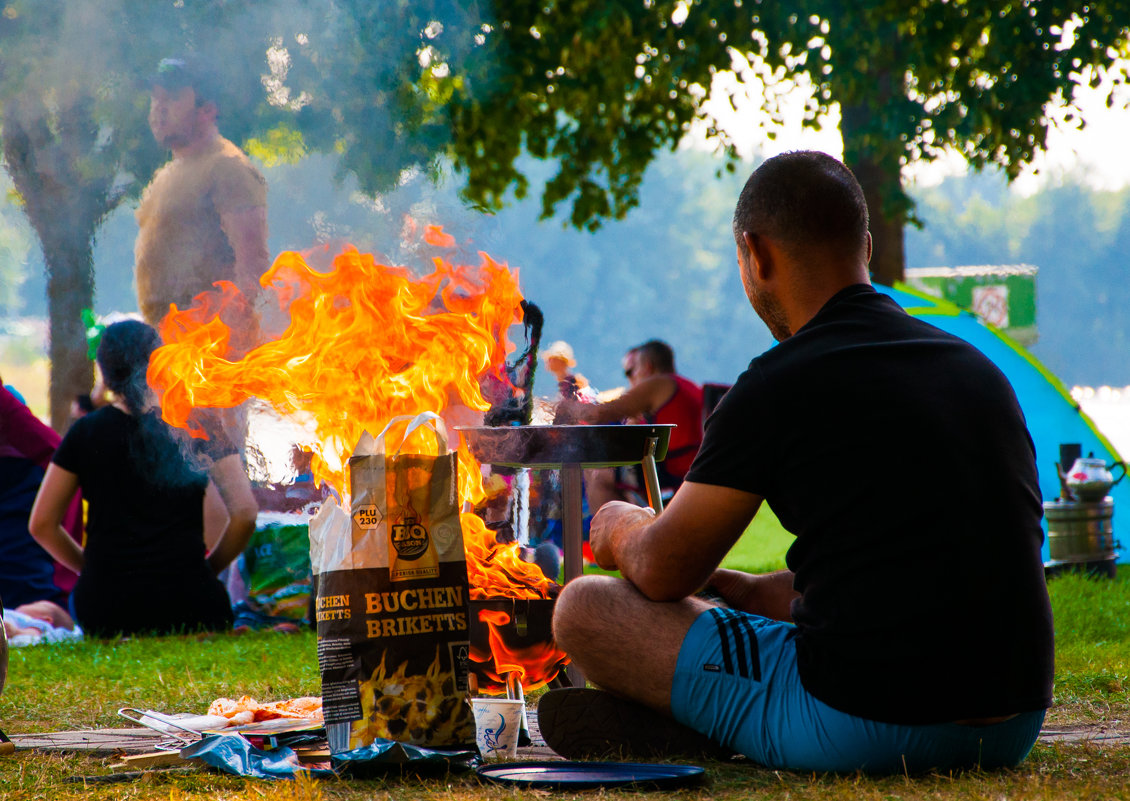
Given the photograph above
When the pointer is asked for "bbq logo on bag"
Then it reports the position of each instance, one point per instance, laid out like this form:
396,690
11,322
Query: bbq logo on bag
415,554
412,510
409,539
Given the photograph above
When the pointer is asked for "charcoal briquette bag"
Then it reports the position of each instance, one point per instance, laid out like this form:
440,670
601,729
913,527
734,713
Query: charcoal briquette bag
392,593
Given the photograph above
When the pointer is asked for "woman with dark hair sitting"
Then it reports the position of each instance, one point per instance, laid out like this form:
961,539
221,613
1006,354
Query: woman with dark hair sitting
144,568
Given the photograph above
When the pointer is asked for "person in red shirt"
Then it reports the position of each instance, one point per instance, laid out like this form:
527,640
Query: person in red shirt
656,394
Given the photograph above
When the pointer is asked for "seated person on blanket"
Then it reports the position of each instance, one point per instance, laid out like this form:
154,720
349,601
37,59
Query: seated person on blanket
892,451
144,566
28,573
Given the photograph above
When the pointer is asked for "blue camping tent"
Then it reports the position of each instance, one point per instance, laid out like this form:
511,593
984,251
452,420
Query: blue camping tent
1053,415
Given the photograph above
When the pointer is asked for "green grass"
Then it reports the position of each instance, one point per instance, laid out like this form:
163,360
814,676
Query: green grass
762,547
1092,624
81,685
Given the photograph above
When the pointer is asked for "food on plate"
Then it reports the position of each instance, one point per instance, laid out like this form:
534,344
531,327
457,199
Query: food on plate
247,710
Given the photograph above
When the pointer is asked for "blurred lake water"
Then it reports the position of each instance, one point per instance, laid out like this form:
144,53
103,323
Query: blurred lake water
1109,408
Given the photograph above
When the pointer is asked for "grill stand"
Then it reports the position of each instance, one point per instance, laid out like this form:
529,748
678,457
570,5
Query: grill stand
572,522
571,450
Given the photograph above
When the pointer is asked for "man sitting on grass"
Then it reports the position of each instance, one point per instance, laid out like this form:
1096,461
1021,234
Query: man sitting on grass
912,629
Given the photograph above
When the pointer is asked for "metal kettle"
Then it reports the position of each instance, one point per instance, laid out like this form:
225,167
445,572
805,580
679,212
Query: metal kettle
1089,479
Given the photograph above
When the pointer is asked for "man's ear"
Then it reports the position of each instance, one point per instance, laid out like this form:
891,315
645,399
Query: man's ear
209,109
867,259
760,255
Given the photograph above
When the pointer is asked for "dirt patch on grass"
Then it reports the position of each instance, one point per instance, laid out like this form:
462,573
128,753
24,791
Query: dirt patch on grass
1099,732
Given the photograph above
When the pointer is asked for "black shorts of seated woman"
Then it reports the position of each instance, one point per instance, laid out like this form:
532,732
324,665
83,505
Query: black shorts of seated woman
144,567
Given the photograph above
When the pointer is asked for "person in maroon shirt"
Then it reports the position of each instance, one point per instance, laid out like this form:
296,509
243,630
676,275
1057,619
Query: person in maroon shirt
27,572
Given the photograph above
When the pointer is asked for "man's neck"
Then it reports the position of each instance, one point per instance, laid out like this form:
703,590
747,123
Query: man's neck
809,298
200,144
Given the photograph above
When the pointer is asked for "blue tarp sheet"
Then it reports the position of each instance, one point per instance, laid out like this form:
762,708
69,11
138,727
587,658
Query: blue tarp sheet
232,753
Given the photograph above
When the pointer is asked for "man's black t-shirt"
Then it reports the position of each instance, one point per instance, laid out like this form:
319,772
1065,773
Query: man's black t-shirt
898,456
144,555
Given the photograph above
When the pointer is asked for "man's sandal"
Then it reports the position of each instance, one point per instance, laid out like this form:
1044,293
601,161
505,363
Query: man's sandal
593,724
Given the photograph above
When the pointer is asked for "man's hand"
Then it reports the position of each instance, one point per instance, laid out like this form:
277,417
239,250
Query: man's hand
643,399
611,522
568,412
768,594
672,555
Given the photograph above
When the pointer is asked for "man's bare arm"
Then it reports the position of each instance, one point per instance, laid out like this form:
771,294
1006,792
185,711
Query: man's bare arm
644,398
672,555
246,230
235,491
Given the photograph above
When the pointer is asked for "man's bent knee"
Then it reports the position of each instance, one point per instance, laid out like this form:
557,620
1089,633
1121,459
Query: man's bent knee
621,640
582,602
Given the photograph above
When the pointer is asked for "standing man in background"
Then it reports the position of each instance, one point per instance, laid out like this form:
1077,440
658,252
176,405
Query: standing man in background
203,217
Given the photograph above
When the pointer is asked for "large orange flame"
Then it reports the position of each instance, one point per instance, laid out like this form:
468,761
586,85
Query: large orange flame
495,570
536,664
366,342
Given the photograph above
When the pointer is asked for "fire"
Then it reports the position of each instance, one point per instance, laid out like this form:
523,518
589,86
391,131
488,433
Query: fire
366,342
494,570
434,235
535,664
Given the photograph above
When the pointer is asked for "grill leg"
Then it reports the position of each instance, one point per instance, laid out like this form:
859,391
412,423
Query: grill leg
572,522
572,537
651,477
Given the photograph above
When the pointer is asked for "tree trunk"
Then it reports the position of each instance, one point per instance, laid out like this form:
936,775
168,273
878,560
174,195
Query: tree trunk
888,256
53,155
875,163
70,289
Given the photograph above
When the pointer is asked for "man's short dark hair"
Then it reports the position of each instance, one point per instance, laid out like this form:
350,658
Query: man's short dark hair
658,354
803,197
183,72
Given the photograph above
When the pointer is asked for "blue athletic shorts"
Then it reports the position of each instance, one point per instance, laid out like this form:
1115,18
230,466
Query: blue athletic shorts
736,680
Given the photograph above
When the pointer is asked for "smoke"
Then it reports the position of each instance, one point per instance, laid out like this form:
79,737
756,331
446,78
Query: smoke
336,82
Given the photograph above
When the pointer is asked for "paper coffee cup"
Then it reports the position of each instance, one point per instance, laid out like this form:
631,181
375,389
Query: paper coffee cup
497,721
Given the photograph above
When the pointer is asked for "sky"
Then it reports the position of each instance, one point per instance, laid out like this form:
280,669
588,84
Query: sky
1101,150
